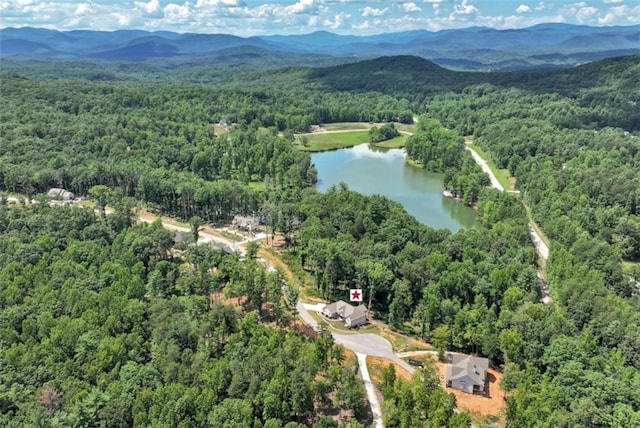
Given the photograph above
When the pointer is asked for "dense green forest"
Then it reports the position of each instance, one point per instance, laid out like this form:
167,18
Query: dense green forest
422,277
104,325
442,150
569,138
419,401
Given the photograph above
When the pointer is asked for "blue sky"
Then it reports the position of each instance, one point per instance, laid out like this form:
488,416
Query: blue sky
257,17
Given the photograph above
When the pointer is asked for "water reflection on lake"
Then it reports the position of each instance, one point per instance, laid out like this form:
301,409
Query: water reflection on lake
371,170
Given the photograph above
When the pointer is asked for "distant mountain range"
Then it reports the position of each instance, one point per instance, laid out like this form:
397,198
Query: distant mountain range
477,48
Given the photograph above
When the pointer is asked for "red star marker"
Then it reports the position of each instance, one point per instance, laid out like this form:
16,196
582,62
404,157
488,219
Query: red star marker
355,294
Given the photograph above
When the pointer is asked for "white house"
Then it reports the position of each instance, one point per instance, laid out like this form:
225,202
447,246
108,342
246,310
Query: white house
353,316
467,373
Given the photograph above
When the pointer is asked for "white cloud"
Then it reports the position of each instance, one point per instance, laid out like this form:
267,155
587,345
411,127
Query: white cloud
370,26
464,8
83,9
175,13
585,13
410,7
617,13
149,8
219,3
122,18
243,17
340,20
302,6
371,11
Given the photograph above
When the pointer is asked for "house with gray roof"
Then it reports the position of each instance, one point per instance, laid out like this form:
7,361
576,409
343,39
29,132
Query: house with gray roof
467,373
353,316
246,223
59,194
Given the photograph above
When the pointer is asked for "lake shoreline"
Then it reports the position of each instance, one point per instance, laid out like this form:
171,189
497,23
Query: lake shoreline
370,170
447,194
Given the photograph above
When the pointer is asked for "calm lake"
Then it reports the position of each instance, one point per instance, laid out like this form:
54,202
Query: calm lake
370,170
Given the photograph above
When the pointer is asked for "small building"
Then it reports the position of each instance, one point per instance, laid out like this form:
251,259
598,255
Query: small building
246,223
59,194
353,316
467,373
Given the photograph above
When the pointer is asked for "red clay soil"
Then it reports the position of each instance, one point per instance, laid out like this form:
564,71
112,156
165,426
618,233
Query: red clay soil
376,364
492,404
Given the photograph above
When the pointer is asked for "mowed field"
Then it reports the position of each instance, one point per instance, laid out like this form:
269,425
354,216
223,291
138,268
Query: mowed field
334,140
331,141
394,143
345,126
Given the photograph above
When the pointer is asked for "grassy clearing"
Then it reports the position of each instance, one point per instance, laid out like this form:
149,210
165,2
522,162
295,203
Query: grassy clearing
503,176
301,282
394,143
407,128
226,234
86,203
145,215
345,126
14,195
338,327
333,141
403,343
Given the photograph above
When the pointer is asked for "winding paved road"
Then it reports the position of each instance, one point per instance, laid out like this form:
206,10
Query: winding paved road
363,345
541,247
376,409
485,167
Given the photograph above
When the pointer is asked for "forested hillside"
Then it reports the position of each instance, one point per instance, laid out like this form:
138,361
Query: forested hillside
569,138
103,326
600,94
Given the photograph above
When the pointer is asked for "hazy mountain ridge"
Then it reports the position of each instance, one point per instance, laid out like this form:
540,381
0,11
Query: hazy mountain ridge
412,76
477,48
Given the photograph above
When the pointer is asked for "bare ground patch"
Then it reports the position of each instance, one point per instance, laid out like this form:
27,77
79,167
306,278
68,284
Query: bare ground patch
490,405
